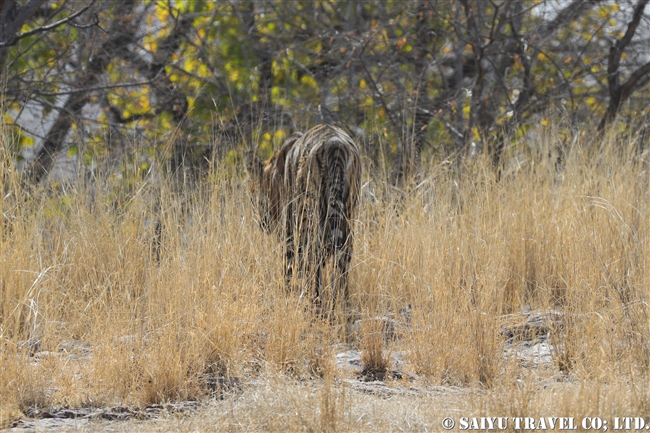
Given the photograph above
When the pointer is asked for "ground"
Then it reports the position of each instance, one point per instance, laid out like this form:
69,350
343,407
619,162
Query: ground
274,401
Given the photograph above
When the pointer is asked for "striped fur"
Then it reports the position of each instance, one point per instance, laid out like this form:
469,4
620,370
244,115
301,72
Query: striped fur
308,194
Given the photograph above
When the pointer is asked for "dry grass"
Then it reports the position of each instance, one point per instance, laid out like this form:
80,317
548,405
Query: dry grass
465,250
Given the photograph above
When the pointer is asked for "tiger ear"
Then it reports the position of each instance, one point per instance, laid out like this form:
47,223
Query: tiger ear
253,164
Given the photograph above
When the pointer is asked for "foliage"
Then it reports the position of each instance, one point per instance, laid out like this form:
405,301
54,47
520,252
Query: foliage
424,76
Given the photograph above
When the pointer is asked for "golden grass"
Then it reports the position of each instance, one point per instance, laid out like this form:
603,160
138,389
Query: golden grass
466,250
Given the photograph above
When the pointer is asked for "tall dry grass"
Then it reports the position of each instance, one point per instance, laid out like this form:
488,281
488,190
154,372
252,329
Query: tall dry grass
465,247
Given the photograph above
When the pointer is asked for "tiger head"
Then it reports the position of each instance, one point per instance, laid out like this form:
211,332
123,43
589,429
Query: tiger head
266,184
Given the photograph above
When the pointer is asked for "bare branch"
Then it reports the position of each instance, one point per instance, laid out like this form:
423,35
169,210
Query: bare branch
378,93
574,10
23,129
42,29
617,92
632,25
93,89
616,51
632,83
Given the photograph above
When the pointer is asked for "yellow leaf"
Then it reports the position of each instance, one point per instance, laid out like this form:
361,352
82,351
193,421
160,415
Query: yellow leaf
162,13
27,141
191,64
203,71
279,136
143,103
308,81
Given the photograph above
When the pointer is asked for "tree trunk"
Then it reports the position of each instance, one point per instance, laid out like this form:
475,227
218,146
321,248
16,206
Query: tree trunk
122,33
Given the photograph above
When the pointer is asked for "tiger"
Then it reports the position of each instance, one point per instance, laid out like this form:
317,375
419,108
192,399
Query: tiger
307,193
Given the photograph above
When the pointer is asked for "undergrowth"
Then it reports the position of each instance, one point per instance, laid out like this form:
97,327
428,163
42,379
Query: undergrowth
164,289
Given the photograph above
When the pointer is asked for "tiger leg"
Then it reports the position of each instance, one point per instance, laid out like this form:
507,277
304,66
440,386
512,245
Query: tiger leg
290,250
342,259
